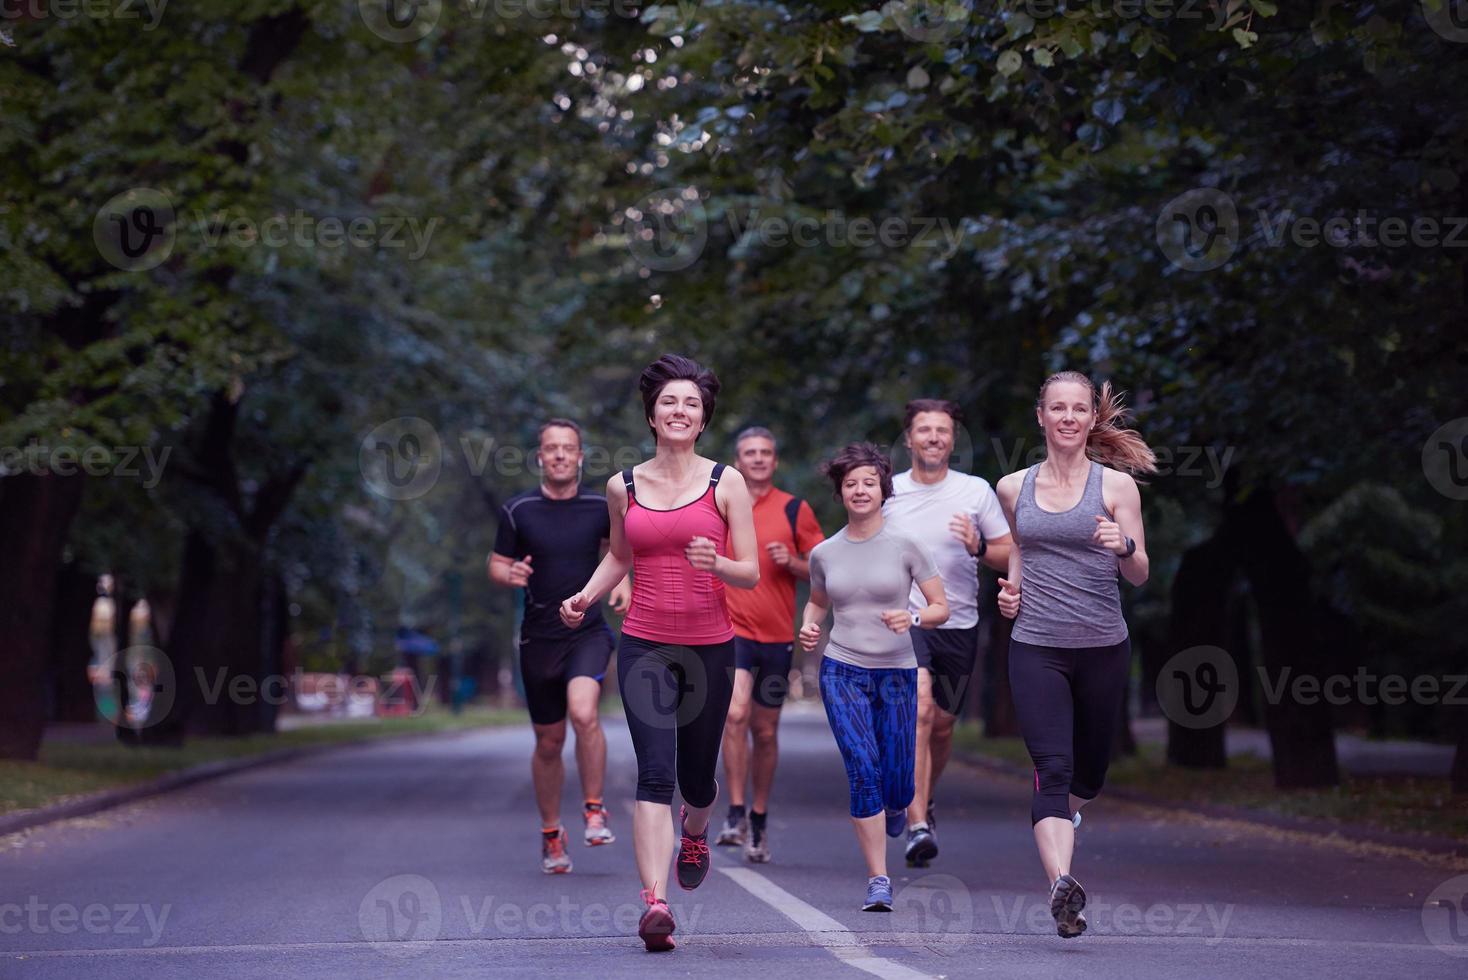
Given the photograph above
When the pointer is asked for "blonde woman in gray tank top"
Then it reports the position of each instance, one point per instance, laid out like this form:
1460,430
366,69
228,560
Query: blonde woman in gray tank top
1076,518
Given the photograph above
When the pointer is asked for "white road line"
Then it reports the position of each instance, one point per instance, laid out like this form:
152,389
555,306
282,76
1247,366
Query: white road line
822,930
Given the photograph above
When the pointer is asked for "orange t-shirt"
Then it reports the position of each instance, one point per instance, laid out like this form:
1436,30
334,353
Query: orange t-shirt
766,613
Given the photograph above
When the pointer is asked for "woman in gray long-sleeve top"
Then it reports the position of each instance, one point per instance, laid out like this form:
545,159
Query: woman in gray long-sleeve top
1077,525
866,572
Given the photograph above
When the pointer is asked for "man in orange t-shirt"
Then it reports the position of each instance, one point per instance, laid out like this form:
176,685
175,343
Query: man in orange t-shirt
764,633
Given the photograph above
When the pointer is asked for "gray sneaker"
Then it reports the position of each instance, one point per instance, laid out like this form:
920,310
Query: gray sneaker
757,847
1067,899
733,833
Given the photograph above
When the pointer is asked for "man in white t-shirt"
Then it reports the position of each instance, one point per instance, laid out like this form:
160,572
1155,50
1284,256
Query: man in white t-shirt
957,518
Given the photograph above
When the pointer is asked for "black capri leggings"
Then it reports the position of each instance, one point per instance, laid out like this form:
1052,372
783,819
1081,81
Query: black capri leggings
676,699
1069,704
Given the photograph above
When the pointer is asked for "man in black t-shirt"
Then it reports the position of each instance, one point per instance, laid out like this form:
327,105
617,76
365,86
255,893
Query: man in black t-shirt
549,541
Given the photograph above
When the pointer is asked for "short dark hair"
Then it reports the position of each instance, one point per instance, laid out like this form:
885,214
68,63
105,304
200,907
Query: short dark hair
675,367
558,423
855,456
918,405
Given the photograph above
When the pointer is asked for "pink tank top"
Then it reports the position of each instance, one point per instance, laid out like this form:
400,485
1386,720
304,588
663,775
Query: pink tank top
672,602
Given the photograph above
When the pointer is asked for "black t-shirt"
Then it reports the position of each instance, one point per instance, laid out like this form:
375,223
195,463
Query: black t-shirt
563,539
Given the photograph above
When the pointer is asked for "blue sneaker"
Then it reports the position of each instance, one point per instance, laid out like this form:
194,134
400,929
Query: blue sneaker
879,894
896,822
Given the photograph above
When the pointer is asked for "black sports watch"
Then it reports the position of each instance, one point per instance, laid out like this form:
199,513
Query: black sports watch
1131,548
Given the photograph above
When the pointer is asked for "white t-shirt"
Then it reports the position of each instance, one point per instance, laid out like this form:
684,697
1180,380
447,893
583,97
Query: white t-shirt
921,512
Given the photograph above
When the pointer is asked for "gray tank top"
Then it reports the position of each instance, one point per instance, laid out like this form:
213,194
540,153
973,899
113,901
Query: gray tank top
1070,594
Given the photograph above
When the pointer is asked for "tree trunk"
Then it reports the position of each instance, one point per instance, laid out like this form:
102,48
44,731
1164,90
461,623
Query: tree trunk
1300,735
71,645
1200,599
36,511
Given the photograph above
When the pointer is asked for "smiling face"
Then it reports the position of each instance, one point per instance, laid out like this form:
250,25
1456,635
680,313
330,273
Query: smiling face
677,414
1067,414
861,491
930,440
560,455
756,459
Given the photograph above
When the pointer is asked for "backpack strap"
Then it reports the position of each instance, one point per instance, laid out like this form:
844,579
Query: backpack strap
792,513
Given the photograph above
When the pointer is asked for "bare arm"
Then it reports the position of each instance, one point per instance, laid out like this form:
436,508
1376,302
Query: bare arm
1009,587
615,564
1124,500
812,618
740,570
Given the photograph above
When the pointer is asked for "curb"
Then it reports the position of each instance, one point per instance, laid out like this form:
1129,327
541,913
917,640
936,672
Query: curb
1449,846
82,806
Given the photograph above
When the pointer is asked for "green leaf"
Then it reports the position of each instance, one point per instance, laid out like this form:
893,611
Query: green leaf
1044,57
1245,38
1264,7
917,77
1009,63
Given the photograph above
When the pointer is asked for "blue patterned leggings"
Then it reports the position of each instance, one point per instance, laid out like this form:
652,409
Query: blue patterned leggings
873,714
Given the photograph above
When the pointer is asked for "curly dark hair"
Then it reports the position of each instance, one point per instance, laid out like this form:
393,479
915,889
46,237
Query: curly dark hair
855,456
675,367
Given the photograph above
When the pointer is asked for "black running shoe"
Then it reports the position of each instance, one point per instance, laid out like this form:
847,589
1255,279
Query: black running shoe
1067,899
922,847
693,856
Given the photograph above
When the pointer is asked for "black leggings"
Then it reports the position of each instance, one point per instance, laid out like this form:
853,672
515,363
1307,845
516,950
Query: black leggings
1069,704
676,699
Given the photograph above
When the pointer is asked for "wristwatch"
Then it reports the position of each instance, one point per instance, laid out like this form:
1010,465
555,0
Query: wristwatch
983,545
917,619
1131,548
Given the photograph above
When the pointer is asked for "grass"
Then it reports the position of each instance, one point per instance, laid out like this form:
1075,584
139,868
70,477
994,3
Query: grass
1401,804
69,769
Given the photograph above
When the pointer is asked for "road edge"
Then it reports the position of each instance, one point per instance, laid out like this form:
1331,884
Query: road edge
1446,846
90,803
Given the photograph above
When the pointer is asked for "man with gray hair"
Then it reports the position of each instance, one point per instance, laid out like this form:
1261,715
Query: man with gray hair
764,634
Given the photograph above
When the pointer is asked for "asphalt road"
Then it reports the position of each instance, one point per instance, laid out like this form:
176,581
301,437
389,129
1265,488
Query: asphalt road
420,858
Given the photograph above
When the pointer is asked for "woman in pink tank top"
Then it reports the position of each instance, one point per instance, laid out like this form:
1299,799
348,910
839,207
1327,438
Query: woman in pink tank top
671,517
